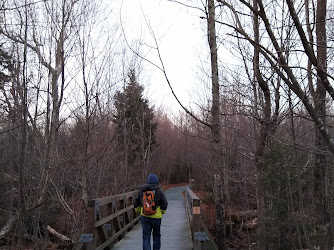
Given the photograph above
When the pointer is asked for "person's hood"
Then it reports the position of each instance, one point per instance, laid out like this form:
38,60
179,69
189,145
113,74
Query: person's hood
148,187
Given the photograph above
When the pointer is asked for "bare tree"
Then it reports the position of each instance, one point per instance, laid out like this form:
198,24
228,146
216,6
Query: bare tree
265,126
215,127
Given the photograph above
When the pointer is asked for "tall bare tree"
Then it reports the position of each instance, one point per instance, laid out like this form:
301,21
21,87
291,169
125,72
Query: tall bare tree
215,127
261,143
321,196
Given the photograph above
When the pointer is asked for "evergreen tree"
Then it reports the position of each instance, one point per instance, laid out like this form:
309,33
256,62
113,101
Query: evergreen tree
134,130
7,72
6,67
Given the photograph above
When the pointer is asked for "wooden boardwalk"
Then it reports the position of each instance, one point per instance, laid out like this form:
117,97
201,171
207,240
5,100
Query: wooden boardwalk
175,229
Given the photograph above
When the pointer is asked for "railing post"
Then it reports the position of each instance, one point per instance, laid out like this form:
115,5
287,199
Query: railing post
121,205
194,215
199,232
196,205
91,225
129,212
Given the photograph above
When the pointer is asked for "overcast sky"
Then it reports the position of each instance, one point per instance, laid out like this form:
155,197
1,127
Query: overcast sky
181,39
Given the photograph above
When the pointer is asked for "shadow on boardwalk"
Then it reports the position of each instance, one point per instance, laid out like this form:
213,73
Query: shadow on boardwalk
175,230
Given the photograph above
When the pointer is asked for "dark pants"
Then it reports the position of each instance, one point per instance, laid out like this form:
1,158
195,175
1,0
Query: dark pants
148,225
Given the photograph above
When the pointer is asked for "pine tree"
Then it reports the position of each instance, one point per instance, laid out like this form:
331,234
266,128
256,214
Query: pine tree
134,130
6,66
7,72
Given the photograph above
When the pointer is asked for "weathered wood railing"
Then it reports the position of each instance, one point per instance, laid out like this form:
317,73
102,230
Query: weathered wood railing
109,218
200,234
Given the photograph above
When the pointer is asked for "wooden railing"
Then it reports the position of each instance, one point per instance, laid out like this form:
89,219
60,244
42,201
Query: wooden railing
200,234
109,219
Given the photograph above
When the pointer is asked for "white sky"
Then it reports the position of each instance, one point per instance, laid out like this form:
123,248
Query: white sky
181,38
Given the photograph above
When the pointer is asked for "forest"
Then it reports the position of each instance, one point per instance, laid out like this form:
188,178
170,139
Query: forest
75,123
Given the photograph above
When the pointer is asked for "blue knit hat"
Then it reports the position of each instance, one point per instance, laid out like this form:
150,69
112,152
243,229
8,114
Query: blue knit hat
152,179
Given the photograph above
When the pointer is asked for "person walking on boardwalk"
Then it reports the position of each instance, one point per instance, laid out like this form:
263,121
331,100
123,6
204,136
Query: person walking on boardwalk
151,202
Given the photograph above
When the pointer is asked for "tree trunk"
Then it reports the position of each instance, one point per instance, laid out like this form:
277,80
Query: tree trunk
264,130
215,128
320,176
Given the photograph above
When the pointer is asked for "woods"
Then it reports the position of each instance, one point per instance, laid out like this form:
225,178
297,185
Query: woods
76,122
